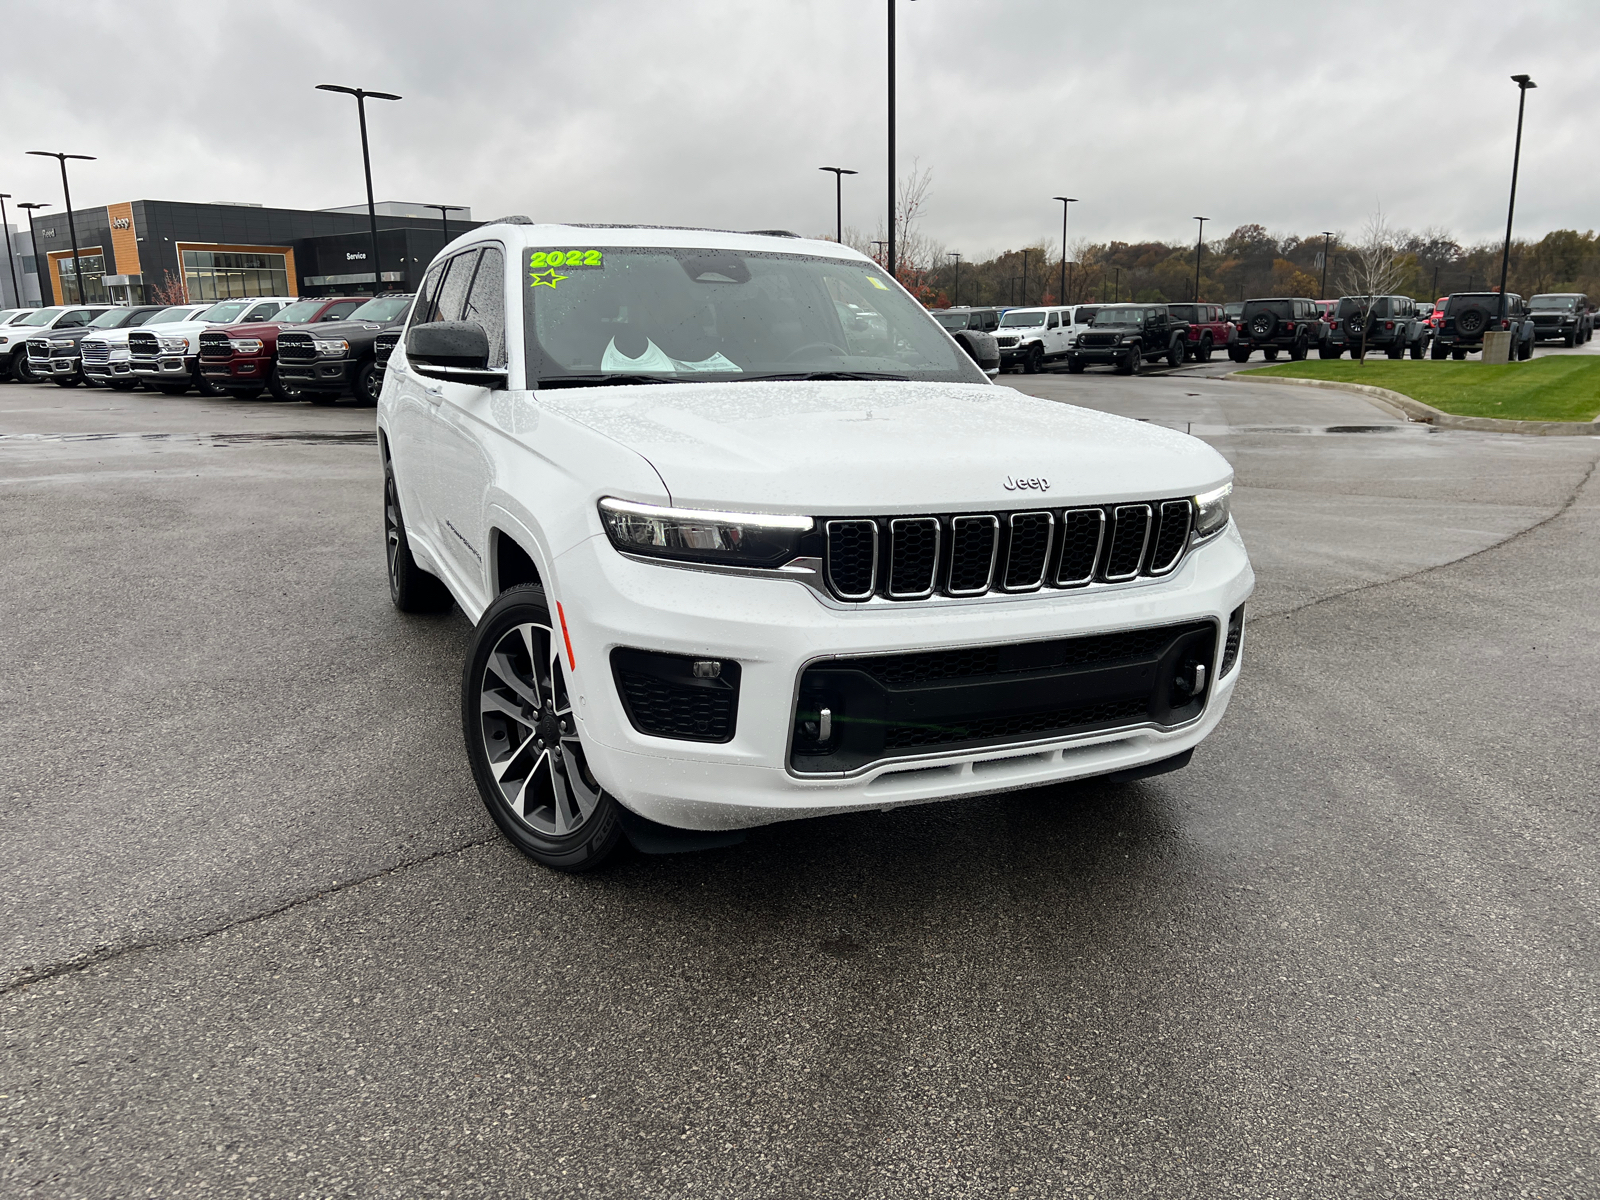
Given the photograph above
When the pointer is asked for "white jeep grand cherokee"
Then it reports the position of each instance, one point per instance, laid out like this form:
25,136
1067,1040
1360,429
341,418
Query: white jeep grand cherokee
747,537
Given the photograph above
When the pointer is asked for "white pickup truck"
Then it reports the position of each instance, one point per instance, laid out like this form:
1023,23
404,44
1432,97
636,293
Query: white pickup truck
735,555
14,336
168,359
105,355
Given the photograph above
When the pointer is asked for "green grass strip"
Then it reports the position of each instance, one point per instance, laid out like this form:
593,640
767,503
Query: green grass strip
1561,387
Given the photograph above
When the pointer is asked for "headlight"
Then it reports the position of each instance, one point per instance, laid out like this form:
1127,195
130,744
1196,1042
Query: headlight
1211,510
61,343
693,535
246,345
174,345
330,347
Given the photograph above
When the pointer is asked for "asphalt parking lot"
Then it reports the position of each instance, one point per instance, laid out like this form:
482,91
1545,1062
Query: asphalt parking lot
260,938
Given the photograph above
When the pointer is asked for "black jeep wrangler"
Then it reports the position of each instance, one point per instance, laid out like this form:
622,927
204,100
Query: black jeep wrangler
1277,323
1562,316
1127,336
1469,315
1391,324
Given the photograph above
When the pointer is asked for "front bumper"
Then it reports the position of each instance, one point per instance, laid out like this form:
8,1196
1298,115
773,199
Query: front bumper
1097,355
223,371
1556,333
166,366
57,366
775,627
324,374
116,368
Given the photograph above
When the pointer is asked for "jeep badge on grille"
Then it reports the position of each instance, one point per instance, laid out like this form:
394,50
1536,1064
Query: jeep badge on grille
1022,485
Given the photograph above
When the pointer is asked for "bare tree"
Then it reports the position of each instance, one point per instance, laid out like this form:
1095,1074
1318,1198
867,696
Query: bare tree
1372,268
170,290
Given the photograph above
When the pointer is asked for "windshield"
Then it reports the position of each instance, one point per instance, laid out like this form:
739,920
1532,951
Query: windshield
111,319
297,313
168,316
1015,320
43,317
384,308
226,311
1554,303
685,313
951,320
1183,312
1117,316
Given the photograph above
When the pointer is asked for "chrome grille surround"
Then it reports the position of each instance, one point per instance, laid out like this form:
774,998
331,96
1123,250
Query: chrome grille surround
997,555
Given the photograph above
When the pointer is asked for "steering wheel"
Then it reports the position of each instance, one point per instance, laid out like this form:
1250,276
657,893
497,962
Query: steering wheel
794,354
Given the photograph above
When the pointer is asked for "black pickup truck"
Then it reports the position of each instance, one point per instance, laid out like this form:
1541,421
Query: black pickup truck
341,356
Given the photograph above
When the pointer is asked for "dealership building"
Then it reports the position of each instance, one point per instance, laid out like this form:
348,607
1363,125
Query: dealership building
144,251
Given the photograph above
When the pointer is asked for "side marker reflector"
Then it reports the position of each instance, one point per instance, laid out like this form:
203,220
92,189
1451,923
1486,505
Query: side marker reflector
565,636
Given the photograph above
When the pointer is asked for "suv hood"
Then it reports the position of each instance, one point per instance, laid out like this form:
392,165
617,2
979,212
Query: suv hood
348,329
832,448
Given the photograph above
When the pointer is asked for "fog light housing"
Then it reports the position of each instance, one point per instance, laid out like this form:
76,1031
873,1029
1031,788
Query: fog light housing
678,696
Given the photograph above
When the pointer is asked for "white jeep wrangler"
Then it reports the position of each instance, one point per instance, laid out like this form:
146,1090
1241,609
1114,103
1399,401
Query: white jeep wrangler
747,537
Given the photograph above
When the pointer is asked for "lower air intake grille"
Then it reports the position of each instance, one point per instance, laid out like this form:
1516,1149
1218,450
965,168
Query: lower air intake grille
1230,648
664,696
891,705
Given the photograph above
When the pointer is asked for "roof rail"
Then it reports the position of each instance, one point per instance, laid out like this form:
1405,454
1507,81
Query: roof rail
514,219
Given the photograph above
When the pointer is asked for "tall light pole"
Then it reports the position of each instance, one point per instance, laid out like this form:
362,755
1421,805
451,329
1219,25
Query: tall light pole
1066,201
1199,245
16,292
955,292
1116,286
366,165
72,226
838,200
33,243
890,256
1523,83
1024,277
444,222
1327,241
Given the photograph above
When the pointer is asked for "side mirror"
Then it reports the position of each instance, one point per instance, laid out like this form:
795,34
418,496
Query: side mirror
454,351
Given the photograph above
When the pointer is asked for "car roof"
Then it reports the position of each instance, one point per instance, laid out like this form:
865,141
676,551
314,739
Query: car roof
530,235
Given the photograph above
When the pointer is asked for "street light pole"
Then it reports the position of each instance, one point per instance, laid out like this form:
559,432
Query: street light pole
72,226
1327,236
890,256
1116,285
1523,83
1199,245
880,244
366,165
33,244
838,200
955,298
1065,202
11,261
444,224
1024,277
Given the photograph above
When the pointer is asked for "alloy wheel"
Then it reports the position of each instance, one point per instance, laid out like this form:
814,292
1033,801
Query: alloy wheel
529,736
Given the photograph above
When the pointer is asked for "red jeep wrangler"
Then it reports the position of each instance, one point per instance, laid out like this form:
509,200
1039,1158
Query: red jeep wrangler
1207,329
242,359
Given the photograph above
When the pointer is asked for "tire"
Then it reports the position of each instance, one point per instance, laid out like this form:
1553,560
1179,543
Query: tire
1396,349
172,389
1034,363
526,753
1329,350
1458,355
369,384
1175,354
1419,348
1270,353
1075,366
205,387
21,369
281,390
1472,320
1263,325
1299,350
1438,351
1570,340
1239,355
411,589
1525,350
123,385
1203,355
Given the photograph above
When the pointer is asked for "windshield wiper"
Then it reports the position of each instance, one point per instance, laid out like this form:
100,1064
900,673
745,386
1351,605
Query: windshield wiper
825,375
560,381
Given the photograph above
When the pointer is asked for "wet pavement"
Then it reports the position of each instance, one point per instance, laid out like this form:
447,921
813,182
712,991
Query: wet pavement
261,940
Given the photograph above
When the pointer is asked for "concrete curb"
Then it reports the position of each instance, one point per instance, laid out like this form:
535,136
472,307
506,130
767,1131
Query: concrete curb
1415,410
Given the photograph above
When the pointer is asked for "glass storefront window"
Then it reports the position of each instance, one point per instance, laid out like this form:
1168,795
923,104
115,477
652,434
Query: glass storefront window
215,275
93,267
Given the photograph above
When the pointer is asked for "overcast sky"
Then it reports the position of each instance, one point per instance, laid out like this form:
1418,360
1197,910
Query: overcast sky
1298,116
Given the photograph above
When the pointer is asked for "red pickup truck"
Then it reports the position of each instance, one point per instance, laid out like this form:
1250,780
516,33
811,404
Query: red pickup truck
242,359
1207,329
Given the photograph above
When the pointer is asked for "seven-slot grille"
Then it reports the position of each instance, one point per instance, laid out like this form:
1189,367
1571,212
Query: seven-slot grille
96,354
1097,339
1005,343
296,347
974,554
143,345
215,345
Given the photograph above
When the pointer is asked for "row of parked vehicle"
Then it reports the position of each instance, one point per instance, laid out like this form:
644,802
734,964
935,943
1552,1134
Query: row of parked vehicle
1126,336
295,349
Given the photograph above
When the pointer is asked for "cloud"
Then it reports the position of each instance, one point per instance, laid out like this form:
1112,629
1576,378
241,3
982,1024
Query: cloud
704,113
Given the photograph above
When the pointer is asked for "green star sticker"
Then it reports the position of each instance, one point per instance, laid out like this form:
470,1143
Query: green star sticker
547,279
